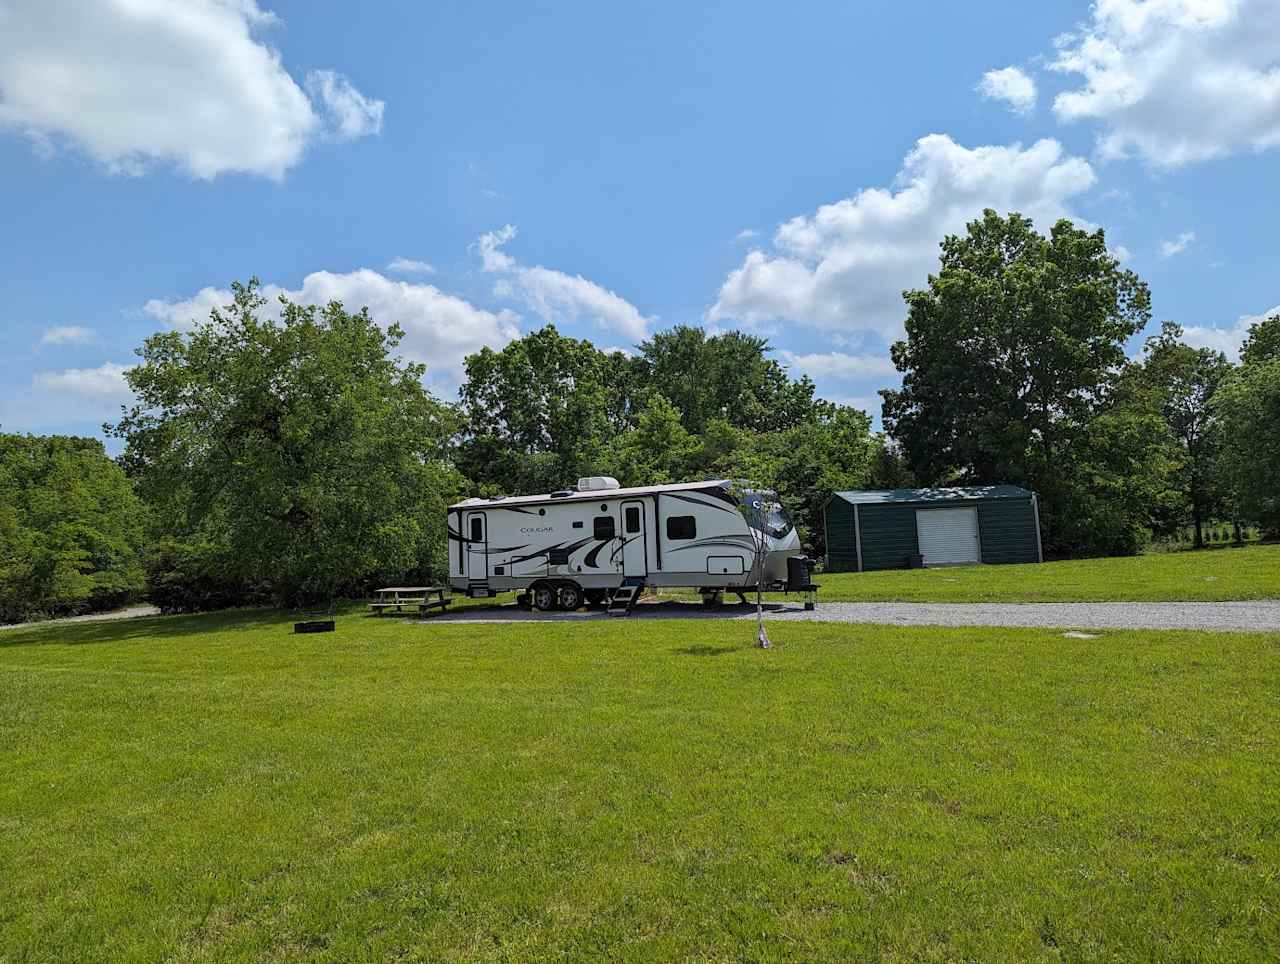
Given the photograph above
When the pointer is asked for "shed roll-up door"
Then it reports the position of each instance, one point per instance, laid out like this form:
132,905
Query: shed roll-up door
948,536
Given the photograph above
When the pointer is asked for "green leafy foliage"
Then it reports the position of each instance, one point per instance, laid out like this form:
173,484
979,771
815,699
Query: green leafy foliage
1184,380
1248,403
70,528
1010,367
297,456
547,409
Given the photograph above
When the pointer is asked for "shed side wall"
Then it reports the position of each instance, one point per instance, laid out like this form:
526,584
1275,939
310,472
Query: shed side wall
1008,529
888,536
842,549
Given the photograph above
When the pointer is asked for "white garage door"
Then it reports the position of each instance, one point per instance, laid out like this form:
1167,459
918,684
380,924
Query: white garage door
948,536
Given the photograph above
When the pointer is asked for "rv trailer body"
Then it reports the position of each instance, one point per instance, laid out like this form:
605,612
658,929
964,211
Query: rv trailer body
693,534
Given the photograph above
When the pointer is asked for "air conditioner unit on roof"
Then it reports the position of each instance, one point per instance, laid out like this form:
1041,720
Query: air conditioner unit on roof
597,483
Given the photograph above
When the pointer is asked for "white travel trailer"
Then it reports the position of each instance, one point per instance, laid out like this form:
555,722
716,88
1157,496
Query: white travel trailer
600,542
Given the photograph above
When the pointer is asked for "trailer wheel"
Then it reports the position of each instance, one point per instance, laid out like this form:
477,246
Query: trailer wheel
570,596
543,597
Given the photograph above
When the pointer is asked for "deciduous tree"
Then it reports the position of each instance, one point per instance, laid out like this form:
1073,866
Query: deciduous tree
1012,354
306,455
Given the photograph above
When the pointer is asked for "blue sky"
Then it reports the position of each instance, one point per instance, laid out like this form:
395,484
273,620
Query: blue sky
475,169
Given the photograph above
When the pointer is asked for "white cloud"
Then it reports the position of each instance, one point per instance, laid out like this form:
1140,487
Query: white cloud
138,82
67,335
409,266
1176,81
349,113
1011,85
839,365
553,295
1170,248
1226,340
104,383
746,234
1122,254
845,266
440,329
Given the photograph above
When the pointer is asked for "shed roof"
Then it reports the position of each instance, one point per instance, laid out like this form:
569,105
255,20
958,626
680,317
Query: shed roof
970,493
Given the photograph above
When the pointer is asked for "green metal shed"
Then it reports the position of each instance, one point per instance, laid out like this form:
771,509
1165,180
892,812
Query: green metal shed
976,524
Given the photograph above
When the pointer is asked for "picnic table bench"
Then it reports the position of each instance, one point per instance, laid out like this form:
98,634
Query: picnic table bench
422,598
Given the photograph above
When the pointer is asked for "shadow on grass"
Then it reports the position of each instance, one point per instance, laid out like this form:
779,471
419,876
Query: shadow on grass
148,627
704,650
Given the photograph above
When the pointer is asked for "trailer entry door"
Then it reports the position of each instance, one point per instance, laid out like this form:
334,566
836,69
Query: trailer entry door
475,537
635,544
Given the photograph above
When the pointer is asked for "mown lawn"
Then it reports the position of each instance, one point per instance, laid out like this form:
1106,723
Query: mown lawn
214,788
1249,572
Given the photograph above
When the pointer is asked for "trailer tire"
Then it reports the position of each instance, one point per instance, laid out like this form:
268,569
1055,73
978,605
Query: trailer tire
544,597
570,596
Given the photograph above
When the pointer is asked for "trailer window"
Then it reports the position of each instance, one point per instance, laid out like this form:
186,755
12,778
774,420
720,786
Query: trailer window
603,527
633,519
682,527
477,529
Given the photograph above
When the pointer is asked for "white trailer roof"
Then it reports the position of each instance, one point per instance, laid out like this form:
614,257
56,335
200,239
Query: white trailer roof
589,496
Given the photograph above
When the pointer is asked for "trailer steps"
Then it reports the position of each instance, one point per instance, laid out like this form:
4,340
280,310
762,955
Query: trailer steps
623,599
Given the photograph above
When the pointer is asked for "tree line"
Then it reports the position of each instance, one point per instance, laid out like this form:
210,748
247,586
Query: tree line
302,459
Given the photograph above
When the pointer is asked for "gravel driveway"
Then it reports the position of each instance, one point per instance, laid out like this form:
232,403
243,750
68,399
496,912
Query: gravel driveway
1263,616
130,612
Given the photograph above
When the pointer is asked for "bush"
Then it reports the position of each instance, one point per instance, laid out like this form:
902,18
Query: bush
185,578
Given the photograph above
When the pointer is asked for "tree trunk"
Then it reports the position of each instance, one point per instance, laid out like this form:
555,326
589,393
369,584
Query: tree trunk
1199,538
1239,533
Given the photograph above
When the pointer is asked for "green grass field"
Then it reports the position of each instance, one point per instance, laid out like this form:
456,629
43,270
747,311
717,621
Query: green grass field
1249,572
213,788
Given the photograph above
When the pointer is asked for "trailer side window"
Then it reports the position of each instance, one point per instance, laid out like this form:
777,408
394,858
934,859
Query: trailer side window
633,519
477,529
682,527
603,527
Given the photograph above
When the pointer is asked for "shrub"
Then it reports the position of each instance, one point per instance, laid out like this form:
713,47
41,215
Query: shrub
184,578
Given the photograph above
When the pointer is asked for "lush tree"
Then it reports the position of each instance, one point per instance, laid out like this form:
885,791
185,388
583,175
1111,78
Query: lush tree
728,377
1012,354
1248,404
657,450
1185,380
538,412
1262,344
298,455
70,528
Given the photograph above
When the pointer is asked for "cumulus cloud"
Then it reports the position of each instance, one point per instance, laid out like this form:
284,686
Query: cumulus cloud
1122,254
1170,248
1012,86
839,365
440,329
553,295
67,335
133,83
349,113
104,383
409,266
844,267
1176,81
1226,340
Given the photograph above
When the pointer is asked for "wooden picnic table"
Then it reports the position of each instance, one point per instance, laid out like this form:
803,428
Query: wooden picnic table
423,598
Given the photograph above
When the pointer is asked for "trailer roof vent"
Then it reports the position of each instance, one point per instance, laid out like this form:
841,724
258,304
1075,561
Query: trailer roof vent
597,483
562,494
